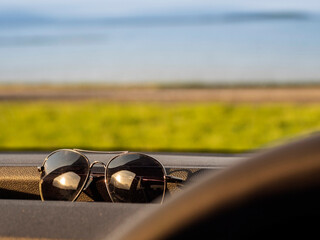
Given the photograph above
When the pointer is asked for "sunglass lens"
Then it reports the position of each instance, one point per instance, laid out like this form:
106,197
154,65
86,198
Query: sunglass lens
136,178
64,175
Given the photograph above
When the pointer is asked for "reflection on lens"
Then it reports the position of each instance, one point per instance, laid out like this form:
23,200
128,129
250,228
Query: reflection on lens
122,179
64,175
67,181
135,177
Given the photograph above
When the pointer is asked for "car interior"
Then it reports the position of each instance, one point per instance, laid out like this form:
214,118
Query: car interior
265,194
20,181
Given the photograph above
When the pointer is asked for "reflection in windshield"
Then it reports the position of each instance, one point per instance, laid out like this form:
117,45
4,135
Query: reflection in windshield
67,181
122,179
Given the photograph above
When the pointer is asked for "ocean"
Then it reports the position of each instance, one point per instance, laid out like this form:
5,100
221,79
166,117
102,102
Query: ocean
238,49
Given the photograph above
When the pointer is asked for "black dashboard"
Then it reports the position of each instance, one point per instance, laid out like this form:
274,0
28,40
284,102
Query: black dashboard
93,215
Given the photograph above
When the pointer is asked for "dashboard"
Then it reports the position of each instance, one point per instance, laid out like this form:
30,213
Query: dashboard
93,215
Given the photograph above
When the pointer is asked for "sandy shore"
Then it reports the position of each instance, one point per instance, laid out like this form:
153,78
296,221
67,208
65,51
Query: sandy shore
239,94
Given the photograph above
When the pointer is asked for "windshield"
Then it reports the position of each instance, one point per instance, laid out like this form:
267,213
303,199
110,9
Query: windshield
213,76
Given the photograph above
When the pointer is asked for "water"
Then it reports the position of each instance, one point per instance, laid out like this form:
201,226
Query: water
262,51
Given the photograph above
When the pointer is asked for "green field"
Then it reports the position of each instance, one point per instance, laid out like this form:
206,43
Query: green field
152,126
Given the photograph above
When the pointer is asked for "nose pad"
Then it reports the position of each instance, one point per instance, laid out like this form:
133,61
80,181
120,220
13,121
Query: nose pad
90,179
88,183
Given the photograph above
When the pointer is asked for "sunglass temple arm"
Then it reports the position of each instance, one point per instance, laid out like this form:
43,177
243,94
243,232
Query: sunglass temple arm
172,179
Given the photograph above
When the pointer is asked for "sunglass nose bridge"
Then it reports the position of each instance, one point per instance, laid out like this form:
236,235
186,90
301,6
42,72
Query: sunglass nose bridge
97,162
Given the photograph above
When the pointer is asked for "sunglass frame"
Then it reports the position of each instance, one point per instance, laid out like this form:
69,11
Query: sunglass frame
118,153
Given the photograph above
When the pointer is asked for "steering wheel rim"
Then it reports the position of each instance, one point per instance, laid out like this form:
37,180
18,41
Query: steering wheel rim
269,173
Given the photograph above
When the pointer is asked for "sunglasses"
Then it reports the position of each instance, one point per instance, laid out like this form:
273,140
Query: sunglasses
129,177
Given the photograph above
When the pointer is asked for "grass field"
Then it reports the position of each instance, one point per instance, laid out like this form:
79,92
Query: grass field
152,126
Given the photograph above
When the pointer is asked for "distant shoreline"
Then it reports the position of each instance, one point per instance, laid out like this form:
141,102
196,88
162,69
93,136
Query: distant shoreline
164,93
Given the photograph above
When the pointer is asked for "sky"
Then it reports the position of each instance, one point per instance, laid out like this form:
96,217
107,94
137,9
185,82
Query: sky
137,7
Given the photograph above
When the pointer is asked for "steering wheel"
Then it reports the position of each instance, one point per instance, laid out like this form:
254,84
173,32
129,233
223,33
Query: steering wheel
274,194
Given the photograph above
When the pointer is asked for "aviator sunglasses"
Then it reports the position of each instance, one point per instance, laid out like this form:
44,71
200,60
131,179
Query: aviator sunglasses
129,177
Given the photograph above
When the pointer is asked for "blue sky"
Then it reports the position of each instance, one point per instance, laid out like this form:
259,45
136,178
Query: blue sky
136,7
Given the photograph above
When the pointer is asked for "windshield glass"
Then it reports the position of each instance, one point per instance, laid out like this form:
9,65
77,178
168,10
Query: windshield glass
217,76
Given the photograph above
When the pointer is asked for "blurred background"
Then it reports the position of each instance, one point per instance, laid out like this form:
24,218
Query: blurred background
203,76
